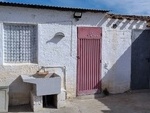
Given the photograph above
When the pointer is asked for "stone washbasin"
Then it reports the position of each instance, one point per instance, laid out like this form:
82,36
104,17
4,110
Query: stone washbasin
44,85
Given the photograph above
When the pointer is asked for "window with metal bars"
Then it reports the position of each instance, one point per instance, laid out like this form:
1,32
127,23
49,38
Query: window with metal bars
20,43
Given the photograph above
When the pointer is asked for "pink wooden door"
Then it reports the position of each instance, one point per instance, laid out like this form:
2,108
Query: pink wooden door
89,60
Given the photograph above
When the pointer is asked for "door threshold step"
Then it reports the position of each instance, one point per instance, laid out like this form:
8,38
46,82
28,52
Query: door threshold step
90,96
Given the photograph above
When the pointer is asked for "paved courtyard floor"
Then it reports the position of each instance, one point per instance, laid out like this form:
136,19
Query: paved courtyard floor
131,102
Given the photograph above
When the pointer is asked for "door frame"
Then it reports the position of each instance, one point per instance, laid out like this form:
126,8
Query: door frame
78,59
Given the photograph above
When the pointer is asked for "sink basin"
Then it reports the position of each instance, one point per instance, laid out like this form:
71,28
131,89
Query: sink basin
44,85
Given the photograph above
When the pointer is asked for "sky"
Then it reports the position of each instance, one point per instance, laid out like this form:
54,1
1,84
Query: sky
131,7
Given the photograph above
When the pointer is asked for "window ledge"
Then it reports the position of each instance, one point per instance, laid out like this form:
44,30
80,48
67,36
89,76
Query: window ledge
20,64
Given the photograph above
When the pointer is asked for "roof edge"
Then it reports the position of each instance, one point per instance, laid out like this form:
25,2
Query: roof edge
50,7
128,17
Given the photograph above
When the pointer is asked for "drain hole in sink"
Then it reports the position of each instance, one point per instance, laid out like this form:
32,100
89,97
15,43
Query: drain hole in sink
50,101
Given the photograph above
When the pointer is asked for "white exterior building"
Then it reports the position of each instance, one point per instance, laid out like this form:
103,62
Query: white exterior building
38,26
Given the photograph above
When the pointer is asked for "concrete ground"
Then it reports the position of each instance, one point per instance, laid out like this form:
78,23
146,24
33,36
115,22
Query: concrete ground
131,102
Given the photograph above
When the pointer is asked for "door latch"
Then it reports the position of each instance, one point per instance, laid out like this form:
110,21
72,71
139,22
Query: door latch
78,57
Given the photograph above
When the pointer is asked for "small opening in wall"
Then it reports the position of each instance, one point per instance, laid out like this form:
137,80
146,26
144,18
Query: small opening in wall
50,101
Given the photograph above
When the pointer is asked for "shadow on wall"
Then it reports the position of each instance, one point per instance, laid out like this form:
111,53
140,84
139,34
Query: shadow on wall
101,21
20,93
118,76
125,24
57,38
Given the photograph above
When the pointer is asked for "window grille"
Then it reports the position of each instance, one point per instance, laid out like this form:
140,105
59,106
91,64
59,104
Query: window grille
20,43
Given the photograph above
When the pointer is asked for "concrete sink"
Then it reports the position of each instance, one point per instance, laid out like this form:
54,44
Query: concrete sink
44,85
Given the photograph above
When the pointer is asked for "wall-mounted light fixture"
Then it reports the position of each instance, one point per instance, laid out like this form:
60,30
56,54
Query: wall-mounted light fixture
77,15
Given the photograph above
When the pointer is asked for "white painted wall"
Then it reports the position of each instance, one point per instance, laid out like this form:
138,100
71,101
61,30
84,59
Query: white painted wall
116,51
116,60
116,54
